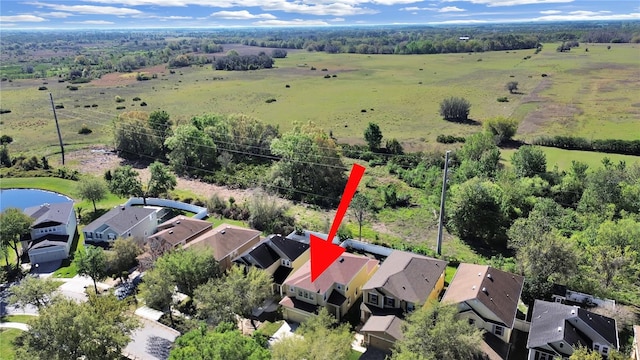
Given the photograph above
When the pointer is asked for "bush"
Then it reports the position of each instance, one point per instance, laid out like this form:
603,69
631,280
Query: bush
120,107
42,88
614,146
503,99
5,139
512,86
449,139
215,204
455,109
59,106
119,99
269,101
327,76
268,215
136,98
72,87
501,128
84,130
4,111
143,104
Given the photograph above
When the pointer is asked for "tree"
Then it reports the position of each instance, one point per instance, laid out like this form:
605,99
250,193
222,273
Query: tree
92,262
14,224
512,86
33,291
321,339
434,332
359,209
224,342
122,256
268,214
475,212
393,147
479,157
550,258
236,293
160,123
157,290
583,353
125,182
529,161
135,137
97,329
93,189
161,180
373,136
501,128
455,109
191,150
310,168
189,268
5,158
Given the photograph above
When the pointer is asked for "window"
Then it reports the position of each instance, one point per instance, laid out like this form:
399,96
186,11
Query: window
410,306
472,321
300,293
543,356
498,330
389,301
292,289
372,298
596,347
605,350
338,286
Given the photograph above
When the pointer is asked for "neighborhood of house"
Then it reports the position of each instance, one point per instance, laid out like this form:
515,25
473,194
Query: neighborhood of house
377,284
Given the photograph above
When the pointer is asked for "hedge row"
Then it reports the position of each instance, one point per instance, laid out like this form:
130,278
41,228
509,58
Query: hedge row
614,146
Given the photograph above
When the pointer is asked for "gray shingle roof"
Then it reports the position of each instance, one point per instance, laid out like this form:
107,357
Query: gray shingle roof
120,218
388,324
290,249
407,276
50,213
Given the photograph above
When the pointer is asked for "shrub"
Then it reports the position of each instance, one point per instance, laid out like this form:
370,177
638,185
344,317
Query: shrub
501,128
270,100
334,75
5,139
143,104
119,99
94,105
512,86
72,87
449,139
84,130
136,98
455,109
327,76
4,111
120,107
503,99
287,86
325,69
313,68
59,106
42,88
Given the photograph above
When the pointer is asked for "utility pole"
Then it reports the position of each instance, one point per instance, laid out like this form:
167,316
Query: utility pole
55,116
442,197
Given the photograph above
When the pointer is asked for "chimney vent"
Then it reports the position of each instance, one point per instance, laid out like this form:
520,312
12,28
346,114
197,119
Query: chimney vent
484,290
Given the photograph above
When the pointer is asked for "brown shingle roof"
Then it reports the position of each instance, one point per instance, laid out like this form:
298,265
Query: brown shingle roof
224,239
407,276
499,291
341,271
389,324
181,229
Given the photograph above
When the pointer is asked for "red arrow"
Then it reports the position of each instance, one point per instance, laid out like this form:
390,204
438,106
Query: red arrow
324,253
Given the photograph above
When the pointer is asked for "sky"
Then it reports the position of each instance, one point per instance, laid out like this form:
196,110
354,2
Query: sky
127,14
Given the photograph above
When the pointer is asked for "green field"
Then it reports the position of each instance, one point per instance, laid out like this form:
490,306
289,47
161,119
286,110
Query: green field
588,94
562,158
7,349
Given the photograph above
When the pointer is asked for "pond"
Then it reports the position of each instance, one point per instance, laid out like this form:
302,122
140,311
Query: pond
24,198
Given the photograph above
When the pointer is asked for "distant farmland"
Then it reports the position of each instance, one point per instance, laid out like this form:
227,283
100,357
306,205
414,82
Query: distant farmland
590,94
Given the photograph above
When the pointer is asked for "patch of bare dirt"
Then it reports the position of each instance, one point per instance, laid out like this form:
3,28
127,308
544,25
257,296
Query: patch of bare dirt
550,112
97,160
534,95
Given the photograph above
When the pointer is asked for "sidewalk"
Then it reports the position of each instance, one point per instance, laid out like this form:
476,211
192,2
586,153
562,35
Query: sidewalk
14,325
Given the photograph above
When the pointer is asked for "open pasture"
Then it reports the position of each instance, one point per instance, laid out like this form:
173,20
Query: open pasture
588,94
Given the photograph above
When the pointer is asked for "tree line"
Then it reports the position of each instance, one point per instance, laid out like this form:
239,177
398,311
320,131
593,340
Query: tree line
613,146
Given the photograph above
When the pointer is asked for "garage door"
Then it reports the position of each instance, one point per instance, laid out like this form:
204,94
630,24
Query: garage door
380,343
45,255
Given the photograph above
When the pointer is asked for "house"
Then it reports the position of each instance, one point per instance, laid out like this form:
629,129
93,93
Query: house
277,255
557,330
123,221
403,282
52,232
178,231
382,331
337,288
487,297
227,242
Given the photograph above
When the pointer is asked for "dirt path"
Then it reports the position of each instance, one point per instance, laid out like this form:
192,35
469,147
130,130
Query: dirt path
97,160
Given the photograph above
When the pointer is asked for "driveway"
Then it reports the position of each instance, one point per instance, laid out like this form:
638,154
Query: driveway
152,341
74,288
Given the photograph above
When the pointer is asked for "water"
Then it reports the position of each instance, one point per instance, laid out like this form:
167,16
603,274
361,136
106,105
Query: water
24,198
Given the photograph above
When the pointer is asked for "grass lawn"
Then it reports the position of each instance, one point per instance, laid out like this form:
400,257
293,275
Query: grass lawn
68,268
17,318
449,273
354,355
562,158
7,349
269,328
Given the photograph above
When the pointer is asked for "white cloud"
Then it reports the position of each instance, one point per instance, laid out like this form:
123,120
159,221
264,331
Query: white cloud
55,14
240,15
338,19
588,15
450,9
550,12
88,9
21,18
91,22
294,22
415,8
491,3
